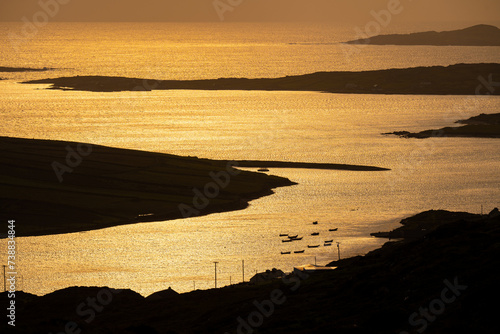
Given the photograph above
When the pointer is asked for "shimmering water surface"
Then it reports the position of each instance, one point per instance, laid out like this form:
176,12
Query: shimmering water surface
442,173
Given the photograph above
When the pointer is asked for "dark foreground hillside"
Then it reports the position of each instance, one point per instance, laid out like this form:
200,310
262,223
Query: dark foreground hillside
443,282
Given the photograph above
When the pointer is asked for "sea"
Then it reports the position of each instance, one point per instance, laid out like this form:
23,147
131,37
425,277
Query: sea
460,174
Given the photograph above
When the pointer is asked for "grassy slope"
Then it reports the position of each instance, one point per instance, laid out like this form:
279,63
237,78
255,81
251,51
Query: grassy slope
110,186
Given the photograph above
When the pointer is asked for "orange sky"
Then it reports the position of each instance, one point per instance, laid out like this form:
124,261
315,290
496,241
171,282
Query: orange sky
345,11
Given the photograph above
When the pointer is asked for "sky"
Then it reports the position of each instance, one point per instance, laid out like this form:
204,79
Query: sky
342,11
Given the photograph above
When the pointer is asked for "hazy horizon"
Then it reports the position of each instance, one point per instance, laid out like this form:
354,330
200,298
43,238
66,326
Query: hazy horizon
354,12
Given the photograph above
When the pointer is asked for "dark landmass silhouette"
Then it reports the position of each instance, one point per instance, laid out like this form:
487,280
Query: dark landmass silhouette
478,35
23,69
376,293
111,186
460,79
482,126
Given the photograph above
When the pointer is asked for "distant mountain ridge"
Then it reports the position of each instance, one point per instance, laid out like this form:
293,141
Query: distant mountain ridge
478,35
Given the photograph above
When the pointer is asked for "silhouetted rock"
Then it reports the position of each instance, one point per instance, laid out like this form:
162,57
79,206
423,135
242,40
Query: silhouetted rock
163,295
478,35
494,213
482,126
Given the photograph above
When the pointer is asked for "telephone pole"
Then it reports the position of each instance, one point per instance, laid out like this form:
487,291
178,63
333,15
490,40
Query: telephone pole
4,279
338,247
243,269
215,262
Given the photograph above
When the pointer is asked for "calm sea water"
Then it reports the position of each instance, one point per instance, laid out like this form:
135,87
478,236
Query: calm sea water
442,173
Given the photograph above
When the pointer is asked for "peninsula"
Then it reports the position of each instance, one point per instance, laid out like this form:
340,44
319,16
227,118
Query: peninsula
482,126
478,35
61,187
460,79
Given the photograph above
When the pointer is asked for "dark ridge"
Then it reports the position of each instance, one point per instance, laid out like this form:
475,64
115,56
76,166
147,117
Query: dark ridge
479,35
460,79
376,293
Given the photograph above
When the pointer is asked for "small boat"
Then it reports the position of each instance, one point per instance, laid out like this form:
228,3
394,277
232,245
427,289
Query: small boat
315,233
333,229
287,240
297,239
283,235
263,170
283,253
315,223
293,236
327,244
299,252
314,246
328,241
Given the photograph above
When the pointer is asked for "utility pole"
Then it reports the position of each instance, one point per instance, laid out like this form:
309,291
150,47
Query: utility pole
215,262
243,269
338,247
314,260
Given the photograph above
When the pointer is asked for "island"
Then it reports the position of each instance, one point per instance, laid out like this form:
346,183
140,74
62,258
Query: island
478,35
443,282
459,79
54,187
482,126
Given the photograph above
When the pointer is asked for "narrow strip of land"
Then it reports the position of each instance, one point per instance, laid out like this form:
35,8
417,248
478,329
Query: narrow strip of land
23,69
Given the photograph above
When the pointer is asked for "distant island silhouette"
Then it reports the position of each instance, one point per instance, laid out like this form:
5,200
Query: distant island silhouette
478,35
482,126
460,79
23,69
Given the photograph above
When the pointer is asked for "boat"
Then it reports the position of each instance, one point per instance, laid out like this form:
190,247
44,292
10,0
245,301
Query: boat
287,240
263,170
283,235
315,223
297,239
315,233
333,229
293,236
328,241
327,244
283,253
314,246
298,252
